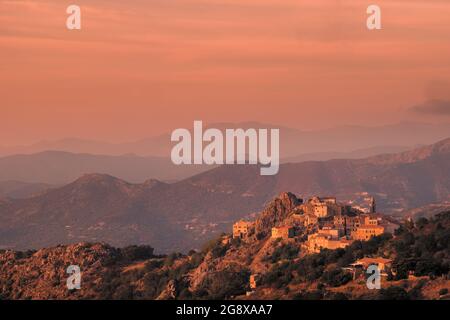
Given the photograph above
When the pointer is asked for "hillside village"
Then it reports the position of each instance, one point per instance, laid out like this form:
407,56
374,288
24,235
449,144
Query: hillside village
325,223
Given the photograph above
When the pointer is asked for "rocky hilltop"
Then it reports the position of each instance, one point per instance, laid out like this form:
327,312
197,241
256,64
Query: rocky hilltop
255,267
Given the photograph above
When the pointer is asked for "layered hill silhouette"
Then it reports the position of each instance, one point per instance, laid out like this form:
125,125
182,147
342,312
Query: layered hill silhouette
62,161
295,144
25,174
60,167
182,215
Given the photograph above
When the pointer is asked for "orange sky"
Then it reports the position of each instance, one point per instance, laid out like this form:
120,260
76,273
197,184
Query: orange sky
141,67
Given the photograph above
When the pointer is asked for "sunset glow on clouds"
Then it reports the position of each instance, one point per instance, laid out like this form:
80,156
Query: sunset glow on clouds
139,68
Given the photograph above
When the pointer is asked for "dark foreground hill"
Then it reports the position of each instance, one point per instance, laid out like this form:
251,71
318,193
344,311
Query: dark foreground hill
182,215
221,270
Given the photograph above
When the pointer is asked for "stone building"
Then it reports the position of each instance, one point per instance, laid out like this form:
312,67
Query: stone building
242,229
323,207
319,241
360,266
365,232
384,265
283,232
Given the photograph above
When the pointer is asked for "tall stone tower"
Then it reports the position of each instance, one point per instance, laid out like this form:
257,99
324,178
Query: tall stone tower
373,206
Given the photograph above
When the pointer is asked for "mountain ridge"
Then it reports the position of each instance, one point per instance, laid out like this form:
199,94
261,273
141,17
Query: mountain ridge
60,167
183,214
293,140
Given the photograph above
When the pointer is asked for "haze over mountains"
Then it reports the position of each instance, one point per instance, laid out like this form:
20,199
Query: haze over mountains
294,142
39,171
60,162
59,167
182,215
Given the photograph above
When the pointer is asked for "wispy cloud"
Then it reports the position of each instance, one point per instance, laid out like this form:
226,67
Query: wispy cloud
433,107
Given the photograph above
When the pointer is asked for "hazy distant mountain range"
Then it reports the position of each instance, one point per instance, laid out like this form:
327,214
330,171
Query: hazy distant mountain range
182,215
59,167
294,142
23,175
60,162
355,154
426,211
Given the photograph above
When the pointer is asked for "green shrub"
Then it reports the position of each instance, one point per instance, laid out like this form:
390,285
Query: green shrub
153,264
224,284
336,277
443,291
133,253
171,258
393,293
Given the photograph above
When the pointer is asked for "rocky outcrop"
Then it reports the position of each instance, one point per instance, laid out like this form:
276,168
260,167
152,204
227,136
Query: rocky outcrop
170,292
276,212
42,274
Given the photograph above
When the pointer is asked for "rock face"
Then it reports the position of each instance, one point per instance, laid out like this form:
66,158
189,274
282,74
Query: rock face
237,261
42,274
170,292
276,212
